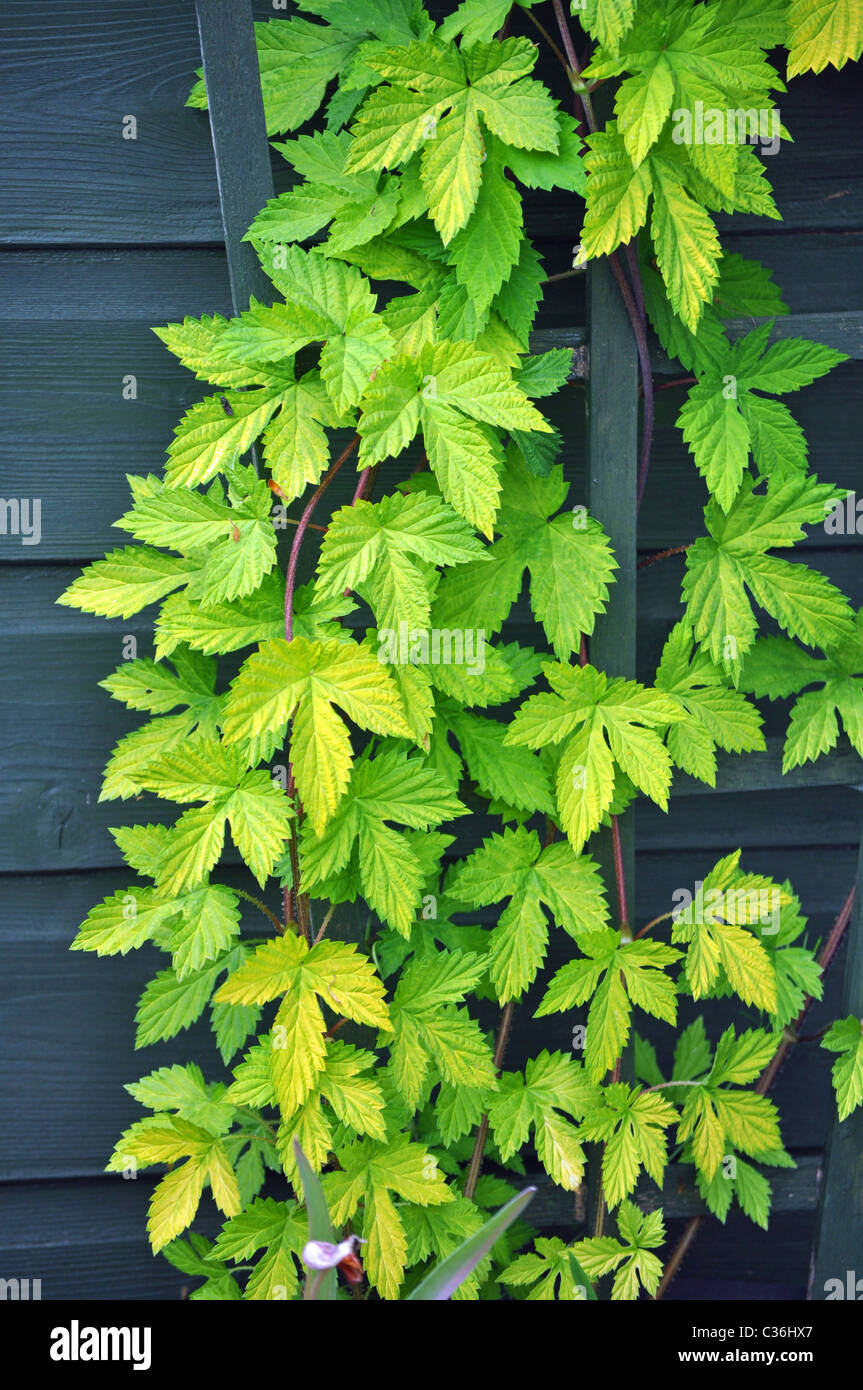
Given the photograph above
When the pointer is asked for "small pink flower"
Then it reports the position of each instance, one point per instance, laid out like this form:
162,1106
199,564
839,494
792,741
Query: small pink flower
322,1254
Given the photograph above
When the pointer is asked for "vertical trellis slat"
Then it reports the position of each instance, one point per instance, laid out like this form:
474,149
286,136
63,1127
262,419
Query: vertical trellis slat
838,1250
239,136
612,459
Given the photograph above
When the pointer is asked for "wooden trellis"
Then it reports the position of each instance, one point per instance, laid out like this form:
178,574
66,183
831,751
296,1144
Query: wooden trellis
605,358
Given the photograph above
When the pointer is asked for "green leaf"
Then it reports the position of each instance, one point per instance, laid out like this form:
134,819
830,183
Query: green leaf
305,680
608,21
356,340
643,104
845,1036
820,34
511,775
446,1277
617,194
718,438
333,972
430,1030
169,1004
722,566
374,548
257,811
718,717
183,1089
487,248
569,560
389,787
585,708
513,865
553,1271
716,925
551,1082
277,1229
631,1127
168,1139
630,1256
610,974
453,391
127,581
297,59
434,104
209,440
369,1171
687,247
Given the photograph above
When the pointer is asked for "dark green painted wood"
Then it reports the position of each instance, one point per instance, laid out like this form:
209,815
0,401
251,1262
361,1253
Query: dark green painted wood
70,178
838,1243
85,1239
612,469
842,330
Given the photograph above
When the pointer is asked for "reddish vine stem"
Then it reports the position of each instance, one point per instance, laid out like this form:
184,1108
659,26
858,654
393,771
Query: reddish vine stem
365,484
482,1133
262,907
646,373
825,960
619,874
564,275
296,904
639,329
599,1215
305,519
623,909
765,1081
547,36
678,381
663,554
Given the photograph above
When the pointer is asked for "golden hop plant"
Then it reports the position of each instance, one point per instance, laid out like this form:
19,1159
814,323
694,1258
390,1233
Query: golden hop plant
382,683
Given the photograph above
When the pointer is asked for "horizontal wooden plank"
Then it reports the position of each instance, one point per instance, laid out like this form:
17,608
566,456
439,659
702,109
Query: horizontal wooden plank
753,773
69,1016
85,1241
49,811
71,84
812,269
842,330
157,284
147,285
793,1190
96,400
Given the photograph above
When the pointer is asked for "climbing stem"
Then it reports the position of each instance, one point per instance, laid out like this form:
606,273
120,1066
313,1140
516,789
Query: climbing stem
482,1132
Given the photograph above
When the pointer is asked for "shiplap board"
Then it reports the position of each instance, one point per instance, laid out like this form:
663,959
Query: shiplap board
50,816
69,435
70,1016
84,1240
